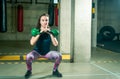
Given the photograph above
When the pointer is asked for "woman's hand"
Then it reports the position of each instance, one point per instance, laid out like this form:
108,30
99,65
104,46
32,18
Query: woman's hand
44,29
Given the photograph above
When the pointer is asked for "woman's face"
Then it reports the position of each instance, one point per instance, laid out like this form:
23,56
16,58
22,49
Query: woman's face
44,21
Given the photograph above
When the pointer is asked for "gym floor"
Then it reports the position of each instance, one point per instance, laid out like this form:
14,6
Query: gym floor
104,64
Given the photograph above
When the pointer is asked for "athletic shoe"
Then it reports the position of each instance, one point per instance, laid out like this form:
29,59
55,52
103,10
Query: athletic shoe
57,73
28,74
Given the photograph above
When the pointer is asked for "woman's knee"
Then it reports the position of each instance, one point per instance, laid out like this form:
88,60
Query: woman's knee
29,56
60,57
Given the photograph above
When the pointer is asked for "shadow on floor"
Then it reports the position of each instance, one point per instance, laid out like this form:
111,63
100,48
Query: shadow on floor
110,45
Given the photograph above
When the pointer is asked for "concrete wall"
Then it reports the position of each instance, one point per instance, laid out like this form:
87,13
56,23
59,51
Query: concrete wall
31,14
94,26
65,26
109,14
81,28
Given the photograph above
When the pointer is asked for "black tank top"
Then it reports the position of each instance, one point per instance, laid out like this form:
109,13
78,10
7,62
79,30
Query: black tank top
43,44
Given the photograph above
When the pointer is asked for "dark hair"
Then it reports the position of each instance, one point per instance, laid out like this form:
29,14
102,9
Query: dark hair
38,24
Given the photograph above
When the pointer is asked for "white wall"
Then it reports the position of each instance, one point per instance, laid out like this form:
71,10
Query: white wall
81,26
65,25
82,30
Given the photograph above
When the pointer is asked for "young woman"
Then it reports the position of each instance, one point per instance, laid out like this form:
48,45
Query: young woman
42,43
